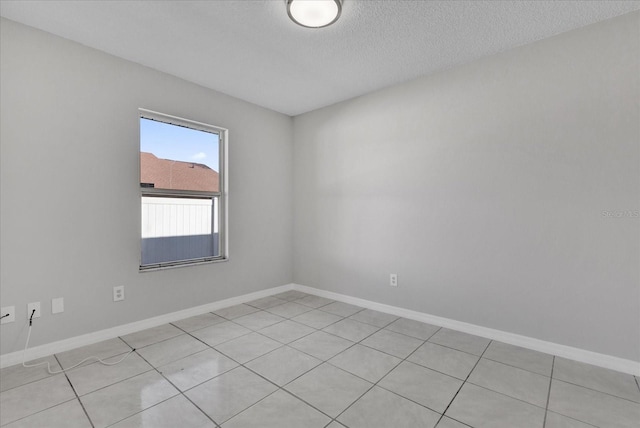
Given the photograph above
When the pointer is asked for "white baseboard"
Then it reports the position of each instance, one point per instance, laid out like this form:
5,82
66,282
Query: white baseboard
577,354
40,351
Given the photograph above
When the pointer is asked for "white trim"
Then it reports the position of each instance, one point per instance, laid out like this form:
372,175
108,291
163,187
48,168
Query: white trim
40,351
577,354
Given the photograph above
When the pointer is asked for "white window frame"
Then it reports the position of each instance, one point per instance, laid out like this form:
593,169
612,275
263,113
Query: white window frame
222,193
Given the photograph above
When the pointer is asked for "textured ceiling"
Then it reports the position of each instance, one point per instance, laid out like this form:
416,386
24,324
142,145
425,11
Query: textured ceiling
251,50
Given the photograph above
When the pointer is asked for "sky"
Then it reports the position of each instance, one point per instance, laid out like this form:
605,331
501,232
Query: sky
179,143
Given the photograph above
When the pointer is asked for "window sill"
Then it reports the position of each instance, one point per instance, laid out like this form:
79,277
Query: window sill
154,268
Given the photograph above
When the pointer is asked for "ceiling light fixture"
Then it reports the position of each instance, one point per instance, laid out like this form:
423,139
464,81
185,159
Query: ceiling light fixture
314,13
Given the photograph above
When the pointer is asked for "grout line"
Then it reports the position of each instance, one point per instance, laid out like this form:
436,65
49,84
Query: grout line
379,380
32,381
278,387
154,343
180,392
598,391
75,393
521,368
573,419
121,380
544,422
463,383
302,374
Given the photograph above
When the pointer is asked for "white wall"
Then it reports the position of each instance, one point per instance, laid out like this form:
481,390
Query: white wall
483,187
70,203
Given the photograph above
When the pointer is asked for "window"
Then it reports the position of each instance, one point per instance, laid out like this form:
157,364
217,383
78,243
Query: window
182,188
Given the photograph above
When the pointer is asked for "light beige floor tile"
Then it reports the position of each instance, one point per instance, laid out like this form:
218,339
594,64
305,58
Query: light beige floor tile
170,350
233,312
17,375
230,393
445,360
413,328
220,333
65,415
593,407
266,302
288,310
369,316
351,330
381,408
424,386
117,402
152,335
328,389
173,413
258,320
446,422
461,341
291,295
341,309
248,347
514,382
199,321
615,383
314,301
364,362
279,410
480,407
197,368
321,345
392,343
283,365
286,331
90,378
516,356
34,397
316,319
555,420
102,350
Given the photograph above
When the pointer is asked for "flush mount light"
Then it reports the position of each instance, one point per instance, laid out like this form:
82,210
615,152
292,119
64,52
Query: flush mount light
314,13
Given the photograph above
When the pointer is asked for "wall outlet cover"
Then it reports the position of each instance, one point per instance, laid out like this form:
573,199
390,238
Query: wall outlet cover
57,305
393,280
118,293
30,309
11,311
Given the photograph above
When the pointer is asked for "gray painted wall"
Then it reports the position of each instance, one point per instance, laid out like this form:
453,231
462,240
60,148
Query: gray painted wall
70,219
483,187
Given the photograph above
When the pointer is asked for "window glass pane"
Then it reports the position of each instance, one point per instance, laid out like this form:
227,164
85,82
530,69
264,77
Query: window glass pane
176,229
178,158
180,185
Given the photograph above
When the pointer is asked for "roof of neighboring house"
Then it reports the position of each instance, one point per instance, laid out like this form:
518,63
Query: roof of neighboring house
176,175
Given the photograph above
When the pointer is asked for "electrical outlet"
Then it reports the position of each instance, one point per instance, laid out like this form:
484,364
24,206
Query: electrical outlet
30,309
118,293
10,311
57,305
393,280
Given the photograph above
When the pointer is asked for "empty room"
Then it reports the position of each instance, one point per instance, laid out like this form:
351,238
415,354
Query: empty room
319,214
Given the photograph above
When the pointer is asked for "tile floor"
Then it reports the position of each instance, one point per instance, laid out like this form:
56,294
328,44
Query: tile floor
296,360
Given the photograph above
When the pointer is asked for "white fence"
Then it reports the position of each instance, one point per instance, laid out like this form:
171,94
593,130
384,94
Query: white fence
163,217
178,229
